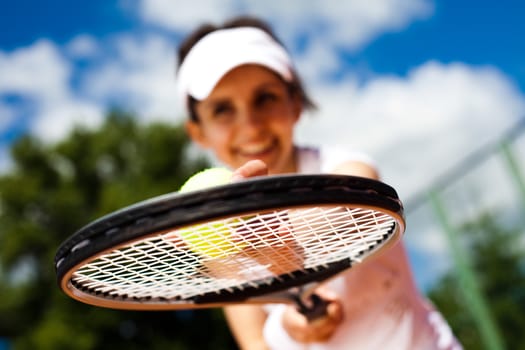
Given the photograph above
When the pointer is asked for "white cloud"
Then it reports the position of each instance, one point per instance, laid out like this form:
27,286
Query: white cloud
55,120
418,126
180,15
140,76
83,47
350,23
38,70
41,75
429,240
343,24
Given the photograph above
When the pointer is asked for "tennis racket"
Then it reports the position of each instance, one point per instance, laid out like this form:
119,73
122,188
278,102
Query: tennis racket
270,239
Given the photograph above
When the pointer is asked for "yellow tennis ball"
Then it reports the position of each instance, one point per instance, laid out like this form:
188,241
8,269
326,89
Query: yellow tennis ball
210,239
207,178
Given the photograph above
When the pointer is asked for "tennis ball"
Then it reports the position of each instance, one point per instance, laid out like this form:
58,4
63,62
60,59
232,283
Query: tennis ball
214,239
207,178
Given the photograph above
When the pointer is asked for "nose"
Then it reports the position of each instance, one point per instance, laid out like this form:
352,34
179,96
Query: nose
251,122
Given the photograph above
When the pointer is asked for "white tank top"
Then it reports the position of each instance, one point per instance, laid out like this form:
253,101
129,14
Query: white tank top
382,307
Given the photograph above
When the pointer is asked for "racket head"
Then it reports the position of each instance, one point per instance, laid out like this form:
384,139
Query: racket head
139,257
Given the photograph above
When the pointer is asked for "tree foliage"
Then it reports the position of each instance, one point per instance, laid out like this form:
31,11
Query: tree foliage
52,191
497,255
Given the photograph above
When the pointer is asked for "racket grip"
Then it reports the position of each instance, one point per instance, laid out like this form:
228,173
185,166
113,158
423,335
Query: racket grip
314,308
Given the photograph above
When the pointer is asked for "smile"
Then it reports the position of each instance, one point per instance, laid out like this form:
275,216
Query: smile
254,150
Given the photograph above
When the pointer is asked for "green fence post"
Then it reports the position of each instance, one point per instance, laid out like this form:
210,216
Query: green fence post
467,281
514,168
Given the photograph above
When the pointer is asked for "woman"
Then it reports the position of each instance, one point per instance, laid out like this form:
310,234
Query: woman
244,99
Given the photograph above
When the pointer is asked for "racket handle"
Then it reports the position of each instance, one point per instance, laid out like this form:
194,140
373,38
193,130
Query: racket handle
314,308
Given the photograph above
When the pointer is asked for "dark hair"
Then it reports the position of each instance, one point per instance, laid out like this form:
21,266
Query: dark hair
295,86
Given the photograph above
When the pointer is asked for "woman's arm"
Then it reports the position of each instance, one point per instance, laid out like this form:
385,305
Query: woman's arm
246,323
357,168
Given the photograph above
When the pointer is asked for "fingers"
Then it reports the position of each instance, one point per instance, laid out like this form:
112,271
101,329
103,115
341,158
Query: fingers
250,169
318,330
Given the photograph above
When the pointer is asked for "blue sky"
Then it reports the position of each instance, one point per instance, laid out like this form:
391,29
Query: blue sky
428,81
475,32
26,21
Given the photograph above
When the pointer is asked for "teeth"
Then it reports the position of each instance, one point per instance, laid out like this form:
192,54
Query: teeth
256,148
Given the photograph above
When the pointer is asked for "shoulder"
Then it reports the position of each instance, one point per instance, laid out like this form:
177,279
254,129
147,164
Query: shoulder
346,160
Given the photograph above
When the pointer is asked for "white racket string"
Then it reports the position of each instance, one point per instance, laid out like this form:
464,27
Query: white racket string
237,252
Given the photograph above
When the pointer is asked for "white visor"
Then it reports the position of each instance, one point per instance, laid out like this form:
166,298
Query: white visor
220,51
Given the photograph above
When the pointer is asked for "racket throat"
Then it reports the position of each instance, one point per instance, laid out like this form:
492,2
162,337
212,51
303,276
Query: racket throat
312,306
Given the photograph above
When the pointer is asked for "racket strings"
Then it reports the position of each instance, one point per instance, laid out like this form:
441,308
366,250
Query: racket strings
238,252
343,233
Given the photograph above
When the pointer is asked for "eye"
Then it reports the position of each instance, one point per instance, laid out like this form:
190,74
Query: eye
265,97
221,109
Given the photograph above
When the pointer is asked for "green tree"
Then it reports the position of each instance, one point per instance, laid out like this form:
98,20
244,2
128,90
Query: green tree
52,191
497,256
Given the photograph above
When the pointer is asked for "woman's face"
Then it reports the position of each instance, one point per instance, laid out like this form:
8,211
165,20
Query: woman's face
250,114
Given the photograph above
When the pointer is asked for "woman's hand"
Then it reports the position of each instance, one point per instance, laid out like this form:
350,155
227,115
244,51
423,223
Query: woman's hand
301,330
250,169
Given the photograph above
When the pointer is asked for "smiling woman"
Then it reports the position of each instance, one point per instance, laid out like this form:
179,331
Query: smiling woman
244,98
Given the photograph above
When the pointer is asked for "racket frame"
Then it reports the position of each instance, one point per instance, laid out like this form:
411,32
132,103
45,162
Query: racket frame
176,210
